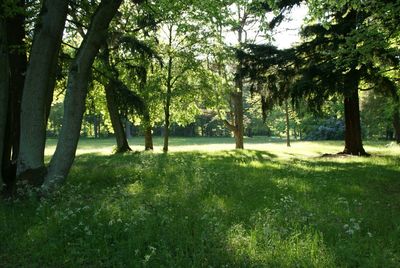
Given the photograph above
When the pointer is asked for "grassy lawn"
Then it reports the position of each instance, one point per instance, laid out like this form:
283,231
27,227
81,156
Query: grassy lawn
206,205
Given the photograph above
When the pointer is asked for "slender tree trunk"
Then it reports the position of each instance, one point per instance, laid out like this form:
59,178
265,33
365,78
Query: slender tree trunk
4,87
44,53
166,120
112,105
168,101
353,140
122,142
237,96
74,103
287,124
396,122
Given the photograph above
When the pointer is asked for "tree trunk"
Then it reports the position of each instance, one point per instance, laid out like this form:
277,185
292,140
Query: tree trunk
353,141
237,98
148,139
112,105
17,68
168,99
166,120
4,87
396,122
122,142
287,124
44,53
74,103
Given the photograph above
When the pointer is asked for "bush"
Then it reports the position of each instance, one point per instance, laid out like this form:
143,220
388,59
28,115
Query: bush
330,129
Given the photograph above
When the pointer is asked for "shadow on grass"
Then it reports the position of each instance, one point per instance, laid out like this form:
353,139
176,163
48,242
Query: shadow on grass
231,208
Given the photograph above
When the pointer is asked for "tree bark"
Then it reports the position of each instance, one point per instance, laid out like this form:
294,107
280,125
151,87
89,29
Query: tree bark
74,103
44,52
287,124
122,142
237,96
167,104
4,87
353,140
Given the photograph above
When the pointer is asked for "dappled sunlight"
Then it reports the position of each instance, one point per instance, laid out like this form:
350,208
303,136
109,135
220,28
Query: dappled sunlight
266,206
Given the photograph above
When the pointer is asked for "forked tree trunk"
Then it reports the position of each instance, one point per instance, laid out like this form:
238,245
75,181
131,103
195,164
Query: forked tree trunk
353,141
74,103
4,87
287,124
396,122
44,53
122,142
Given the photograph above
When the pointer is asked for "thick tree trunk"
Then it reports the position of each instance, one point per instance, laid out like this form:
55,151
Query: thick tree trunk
4,87
44,53
122,142
74,103
396,122
287,124
148,138
17,68
353,141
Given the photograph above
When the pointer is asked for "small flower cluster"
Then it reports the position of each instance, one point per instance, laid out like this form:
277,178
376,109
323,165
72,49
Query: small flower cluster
352,227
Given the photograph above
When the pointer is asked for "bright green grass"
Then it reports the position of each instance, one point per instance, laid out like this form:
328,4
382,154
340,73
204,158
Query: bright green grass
198,206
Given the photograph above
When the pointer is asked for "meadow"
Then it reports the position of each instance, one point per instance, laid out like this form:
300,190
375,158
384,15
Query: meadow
206,205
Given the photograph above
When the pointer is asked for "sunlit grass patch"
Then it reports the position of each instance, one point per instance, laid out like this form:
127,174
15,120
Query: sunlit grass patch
270,206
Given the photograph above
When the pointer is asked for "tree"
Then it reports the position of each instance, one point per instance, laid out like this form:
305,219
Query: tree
74,103
186,29
39,85
14,18
373,42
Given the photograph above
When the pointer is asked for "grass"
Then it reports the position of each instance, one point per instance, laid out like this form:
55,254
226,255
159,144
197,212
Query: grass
205,205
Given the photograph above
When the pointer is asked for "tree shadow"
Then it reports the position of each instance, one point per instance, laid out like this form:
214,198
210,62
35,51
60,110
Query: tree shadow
230,208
